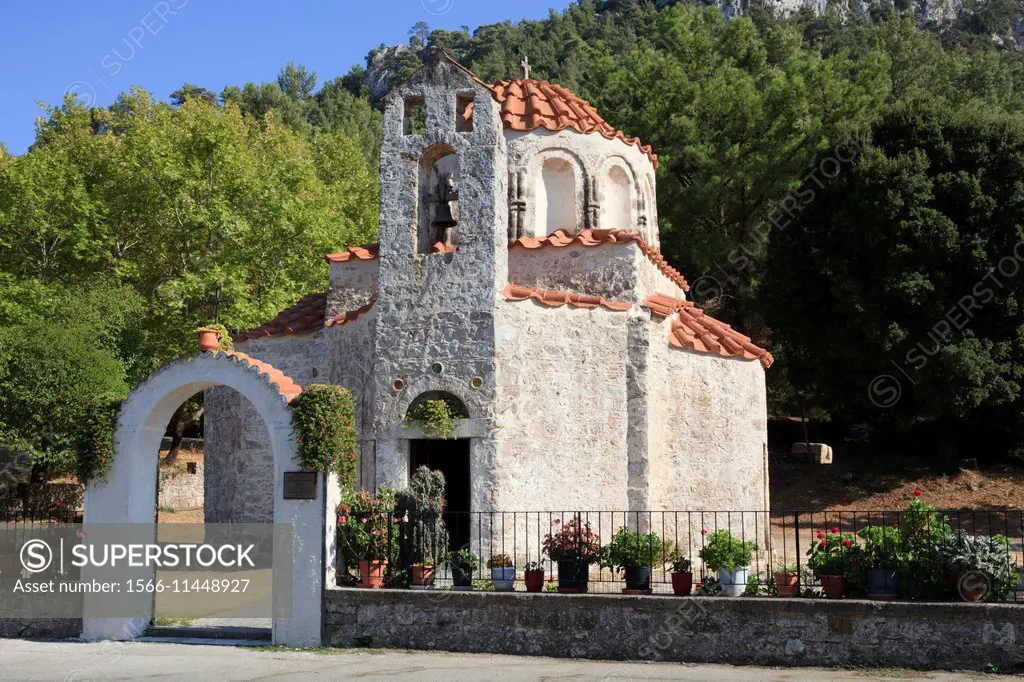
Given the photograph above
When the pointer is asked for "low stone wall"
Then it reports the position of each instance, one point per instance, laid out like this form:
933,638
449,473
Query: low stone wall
796,632
182,489
41,628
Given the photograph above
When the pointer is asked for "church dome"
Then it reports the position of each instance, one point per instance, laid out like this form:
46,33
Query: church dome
528,104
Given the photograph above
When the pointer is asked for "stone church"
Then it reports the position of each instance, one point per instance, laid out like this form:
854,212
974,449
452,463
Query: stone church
519,272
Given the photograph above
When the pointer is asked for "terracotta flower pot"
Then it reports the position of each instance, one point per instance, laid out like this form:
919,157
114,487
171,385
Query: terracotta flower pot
788,584
371,574
423,574
682,584
209,340
833,585
534,580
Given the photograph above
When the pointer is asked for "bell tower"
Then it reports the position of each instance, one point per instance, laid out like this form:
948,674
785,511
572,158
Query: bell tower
443,248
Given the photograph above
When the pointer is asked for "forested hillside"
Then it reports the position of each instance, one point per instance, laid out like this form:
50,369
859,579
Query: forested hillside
845,188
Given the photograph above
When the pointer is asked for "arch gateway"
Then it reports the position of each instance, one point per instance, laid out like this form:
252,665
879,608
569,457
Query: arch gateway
129,493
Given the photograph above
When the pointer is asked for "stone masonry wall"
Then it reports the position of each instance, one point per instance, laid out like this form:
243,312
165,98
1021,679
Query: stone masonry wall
708,436
181,489
561,434
777,632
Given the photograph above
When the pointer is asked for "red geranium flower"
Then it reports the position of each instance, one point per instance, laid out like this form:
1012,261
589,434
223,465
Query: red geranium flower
821,534
918,493
835,531
895,525
847,543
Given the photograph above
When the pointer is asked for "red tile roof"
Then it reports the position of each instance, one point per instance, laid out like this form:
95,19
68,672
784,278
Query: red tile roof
305,317
350,316
364,252
695,330
528,104
592,237
285,385
556,299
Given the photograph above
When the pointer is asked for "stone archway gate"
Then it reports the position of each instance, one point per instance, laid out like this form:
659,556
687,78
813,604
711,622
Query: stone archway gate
128,495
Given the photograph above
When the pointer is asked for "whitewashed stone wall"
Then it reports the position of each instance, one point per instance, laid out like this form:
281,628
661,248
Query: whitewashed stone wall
182,489
562,427
620,272
592,158
353,284
707,435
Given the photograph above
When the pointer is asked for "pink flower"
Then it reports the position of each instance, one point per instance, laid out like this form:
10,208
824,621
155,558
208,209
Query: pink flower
704,531
364,520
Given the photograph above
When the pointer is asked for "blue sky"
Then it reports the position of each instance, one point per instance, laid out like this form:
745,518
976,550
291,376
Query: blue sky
99,49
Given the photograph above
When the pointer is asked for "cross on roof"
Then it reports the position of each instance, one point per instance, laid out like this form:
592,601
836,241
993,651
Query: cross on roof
526,66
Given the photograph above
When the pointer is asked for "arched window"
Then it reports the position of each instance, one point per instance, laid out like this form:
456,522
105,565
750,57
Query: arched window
557,197
617,202
438,199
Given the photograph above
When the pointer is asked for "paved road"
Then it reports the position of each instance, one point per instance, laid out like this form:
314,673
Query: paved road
80,662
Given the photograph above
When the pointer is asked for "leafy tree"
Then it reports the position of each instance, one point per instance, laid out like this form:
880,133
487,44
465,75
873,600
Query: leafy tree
187,90
905,265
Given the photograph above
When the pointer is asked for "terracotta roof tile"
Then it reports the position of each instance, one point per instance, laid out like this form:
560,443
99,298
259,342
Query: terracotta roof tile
592,237
305,317
528,104
285,385
555,299
350,316
364,252
694,329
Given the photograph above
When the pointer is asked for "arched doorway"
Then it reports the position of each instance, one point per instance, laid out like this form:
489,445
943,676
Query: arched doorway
127,496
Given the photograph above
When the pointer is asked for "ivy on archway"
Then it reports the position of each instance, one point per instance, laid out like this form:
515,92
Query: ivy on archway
324,417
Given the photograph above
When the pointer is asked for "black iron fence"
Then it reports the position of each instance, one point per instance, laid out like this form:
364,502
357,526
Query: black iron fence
785,542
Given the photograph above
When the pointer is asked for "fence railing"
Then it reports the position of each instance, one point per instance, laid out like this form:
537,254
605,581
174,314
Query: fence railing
783,539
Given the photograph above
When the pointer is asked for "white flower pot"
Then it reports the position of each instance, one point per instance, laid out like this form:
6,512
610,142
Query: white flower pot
734,583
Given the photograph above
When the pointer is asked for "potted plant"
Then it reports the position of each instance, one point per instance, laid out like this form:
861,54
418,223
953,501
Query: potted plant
831,559
424,537
533,576
730,557
682,574
367,534
503,572
573,546
981,567
883,554
787,580
633,554
462,563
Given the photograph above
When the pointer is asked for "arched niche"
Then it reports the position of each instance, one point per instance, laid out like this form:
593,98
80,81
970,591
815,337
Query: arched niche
440,170
618,195
558,192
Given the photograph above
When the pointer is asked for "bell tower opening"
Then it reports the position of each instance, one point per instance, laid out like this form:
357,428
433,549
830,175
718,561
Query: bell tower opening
439,200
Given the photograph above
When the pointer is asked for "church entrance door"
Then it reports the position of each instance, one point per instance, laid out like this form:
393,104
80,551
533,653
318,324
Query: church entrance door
451,458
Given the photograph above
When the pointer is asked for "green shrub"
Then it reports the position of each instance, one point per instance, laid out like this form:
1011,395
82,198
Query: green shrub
366,527
835,553
629,549
463,561
725,551
324,419
962,553
884,547
436,417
